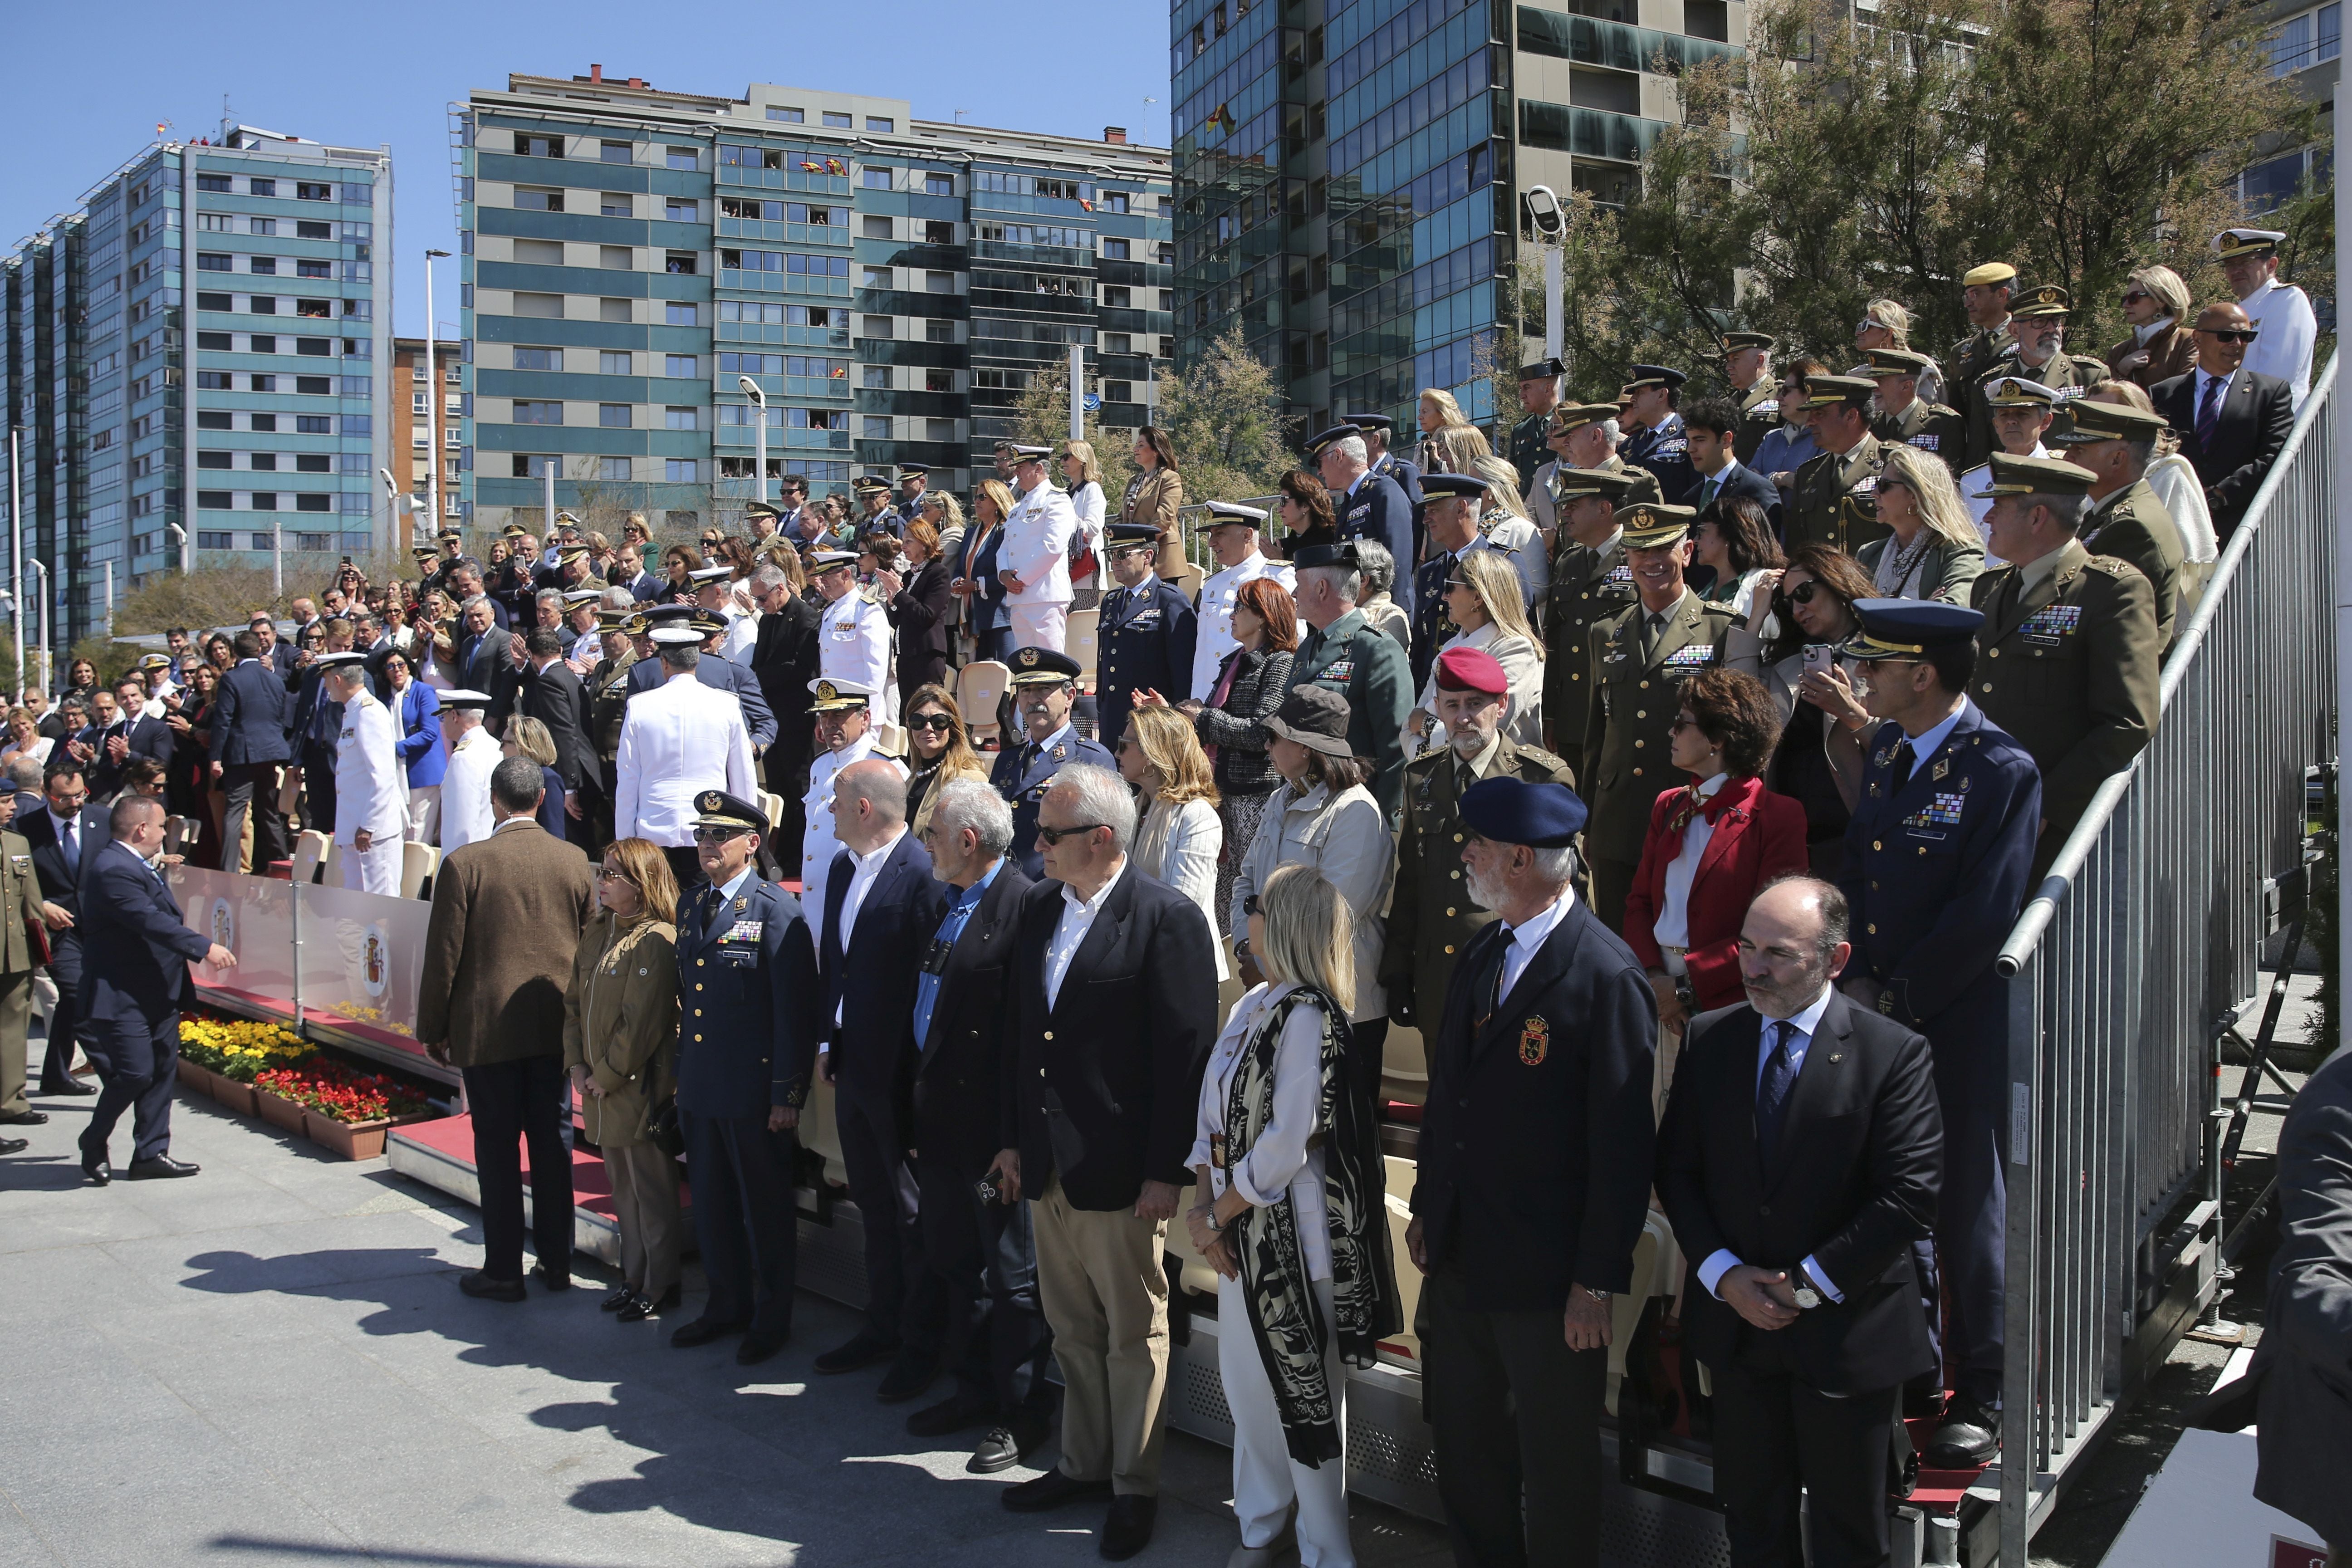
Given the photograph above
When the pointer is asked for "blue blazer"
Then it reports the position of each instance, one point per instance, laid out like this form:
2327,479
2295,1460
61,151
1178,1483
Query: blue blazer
251,716
416,714
1146,644
989,612
1021,775
748,989
872,985
135,974
1378,512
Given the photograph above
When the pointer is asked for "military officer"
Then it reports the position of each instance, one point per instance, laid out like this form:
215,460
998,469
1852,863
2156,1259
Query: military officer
2038,330
873,504
853,644
608,705
1232,536
1045,686
1587,435
2069,641
2022,414
1658,442
1342,651
370,784
2114,442
1591,583
1834,500
1538,394
1902,415
1452,526
747,1039
1432,915
845,732
574,570
914,479
1377,429
1985,292
1936,858
20,915
1367,505
1635,662
1148,631
1748,363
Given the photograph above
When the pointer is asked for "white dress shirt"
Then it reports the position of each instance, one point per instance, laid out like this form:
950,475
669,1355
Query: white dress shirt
1285,1157
1672,928
1526,940
2287,329
1070,932
1213,625
1711,1272
1926,745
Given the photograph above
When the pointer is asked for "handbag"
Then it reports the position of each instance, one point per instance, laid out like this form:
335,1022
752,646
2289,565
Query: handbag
662,1127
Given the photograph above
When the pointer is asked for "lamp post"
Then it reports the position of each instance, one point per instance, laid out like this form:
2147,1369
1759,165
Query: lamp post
16,556
1550,224
432,397
42,567
760,463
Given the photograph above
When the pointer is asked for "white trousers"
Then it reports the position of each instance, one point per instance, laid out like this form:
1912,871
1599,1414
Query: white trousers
425,813
377,871
1040,625
1266,1479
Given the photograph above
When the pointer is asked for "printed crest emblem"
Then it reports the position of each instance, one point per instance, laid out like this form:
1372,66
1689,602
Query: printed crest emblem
826,691
711,800
1534,1041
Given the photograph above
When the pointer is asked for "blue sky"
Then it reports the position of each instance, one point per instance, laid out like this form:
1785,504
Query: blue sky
91,82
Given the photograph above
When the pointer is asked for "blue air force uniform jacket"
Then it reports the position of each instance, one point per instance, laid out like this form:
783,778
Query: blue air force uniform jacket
1377,509
1146,636
747,982
1021,775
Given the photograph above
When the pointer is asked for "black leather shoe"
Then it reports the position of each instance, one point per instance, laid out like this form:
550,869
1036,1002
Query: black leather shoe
163,1167
758,1344
950,1416
14,1145
95,1167
25,1118
1968,1440
1127,1530
701,1332
73,1088
1009,1445
639,1309
909,1376
549,1278
865,1349
1051,1490
618,1300
482,1288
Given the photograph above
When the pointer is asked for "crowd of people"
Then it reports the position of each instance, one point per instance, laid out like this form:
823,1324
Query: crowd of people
1676,772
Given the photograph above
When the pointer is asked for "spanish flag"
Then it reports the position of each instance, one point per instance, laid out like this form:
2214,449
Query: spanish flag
1222,119
809,168
1086,203
835,166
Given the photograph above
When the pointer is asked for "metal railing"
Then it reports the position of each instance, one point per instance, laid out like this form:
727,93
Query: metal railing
2132,959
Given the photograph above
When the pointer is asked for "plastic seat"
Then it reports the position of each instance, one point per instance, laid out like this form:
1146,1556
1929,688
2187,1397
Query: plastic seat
1398,1175
310,848
980,686
1404,1066
417,861
1081,636
820,1132
1188,578
1655,1256
772,807
330,869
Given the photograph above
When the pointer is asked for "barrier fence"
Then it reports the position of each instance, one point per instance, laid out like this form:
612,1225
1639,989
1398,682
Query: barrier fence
2129,963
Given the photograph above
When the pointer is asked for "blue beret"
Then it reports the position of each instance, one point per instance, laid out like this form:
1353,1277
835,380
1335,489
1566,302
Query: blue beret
1515,811
1898,629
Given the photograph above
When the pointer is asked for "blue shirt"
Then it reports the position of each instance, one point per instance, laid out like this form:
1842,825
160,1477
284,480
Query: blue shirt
927,985
1784,452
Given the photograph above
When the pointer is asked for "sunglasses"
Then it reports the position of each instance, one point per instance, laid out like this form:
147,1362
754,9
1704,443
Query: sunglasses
2133,296
1055,834
930,721
1802,594
717,835
2228,335
1249,905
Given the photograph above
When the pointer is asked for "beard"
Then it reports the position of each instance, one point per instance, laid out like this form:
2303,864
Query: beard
1785,1000
1485,893
1466,741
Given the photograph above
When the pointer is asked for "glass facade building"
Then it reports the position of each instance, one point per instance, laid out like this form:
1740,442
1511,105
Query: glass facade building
1348,173
196,358
890,284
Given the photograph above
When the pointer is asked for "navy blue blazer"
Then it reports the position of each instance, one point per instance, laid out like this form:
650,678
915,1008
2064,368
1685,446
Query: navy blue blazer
1407,475
1744,481
1537,1139
645,587
1146,638
251,716
61,883
722,675
986,609
1377,509
1021,775
136,951
748,988
872,985
1663,448
960,1074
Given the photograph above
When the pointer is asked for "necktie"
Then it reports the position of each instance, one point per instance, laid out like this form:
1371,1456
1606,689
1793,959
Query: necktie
2208,412
1652,629
73,846
1707,496
1772,1091
1485,985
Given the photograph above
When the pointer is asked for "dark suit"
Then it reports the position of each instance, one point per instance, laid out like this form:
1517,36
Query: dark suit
983,1255
60,880
924,612
722,675
1663,450
143,736
317,723
251,715
783,661
1535,1157
644,587
556,699
747,1035
1146,636
1378,509
131,993
1850,1180
2250,427
868,1028
1742,482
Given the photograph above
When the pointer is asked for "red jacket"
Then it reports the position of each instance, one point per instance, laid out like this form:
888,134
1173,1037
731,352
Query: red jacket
1758,836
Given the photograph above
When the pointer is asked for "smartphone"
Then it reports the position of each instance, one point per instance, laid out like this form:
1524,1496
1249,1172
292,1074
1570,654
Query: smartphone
990,1189
1818,656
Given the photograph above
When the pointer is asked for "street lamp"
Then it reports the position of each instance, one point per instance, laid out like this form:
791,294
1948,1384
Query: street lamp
1549,221
179,537
760,463
432,397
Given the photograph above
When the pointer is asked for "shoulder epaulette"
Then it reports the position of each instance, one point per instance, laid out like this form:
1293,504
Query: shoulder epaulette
1543,759
2112,566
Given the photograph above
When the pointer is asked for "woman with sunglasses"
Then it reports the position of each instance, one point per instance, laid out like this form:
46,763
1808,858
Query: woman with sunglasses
1180,839
1790,642
1791,446
2159,347
1935,551
915,591
1887,324
938,752
620,1046
987,619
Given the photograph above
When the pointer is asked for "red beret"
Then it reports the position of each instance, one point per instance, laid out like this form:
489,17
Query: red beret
1471,669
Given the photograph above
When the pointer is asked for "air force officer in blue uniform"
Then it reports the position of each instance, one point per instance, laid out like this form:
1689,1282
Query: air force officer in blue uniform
1148,631
1936,858
747,1040
1368,505
1044,685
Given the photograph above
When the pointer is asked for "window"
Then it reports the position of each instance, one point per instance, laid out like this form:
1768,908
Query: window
324,385
214,500
815,420
1112,344
938,283
214,341
306,268
207,419
876,179
612,416
610,310
1168,299
679,367
938,429
1114,299
1118,392
313,191
310,462
881,122
678,314
263,500
880,327
937,185
616,204
216,301
874,226
682,262
263,225
1115,201
681,471
789,116
2307,40
877,376
675,418
266,424
616,258
211,183
532,198
547,307
208,261
616,152
213,460
263,265
263,187
316,424
681,209
212,381
937,233
536,466
314,346
538,359
680,158
262,462
877,427
938,332
1113,250
538,146
538,413
613,470
315,308
1165,254
939,381
309,502
613,361
874,277
838,121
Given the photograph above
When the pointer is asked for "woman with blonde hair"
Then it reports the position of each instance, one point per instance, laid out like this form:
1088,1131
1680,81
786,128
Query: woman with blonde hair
620,1046
1482,599
945,514
2156,307
1180,837
1936,549
1887,324
939,751
1505,520
1084,476
987,619
1292,1216
1452,448
24,738
1436,410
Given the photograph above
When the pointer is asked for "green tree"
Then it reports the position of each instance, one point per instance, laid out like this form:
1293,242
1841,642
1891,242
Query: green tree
1043,411
1223,416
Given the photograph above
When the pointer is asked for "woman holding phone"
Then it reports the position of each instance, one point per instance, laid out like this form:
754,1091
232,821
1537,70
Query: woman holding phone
1790,642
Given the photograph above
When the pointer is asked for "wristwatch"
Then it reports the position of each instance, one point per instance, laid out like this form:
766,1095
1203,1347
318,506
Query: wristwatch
1807,1297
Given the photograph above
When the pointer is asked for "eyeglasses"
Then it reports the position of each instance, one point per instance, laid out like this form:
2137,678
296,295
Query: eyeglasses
1681,723
1055,834
2228,335
1249,904
1454,583
717,835
930,721
610,873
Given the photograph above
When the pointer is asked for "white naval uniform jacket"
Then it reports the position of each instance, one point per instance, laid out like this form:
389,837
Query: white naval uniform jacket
1213,639
466,789
1036,546
818,844
676,740
371,784
853,648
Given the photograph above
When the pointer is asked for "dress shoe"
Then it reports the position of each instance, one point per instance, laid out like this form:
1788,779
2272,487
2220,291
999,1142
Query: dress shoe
618,1299
865,1349
163,1167
911,1373
25,1118
482,1288
1009,1444
758,1344
950,1416
1051,1490
1968,1438
72,1087
701,1332
640,1309
95,1167
14,1145
1128,1528
549,1277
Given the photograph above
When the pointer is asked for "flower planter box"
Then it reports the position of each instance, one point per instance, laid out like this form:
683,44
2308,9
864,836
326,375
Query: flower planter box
234,1096
350,1139
286,1115
199,1079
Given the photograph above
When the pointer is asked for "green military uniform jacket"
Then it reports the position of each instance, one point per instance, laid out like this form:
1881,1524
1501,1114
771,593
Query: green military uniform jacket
1930,427
1834,500
1363,663
608,704
1760,412
2063,372
1587,586
1527,450
1963,368
1431,916
1645,483
1624,758
2069,667
20,901
2133,525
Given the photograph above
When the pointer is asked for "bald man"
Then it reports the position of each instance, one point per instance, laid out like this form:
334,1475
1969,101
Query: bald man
2232,422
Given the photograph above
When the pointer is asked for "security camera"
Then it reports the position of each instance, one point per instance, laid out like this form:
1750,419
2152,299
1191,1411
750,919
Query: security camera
1545,215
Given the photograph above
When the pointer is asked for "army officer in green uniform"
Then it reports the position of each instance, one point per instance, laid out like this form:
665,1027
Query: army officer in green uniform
1985,293
1590,584
1834,500
2115,441
1343,652
1636,661
1538,394
1905,418
1747,367
2036,352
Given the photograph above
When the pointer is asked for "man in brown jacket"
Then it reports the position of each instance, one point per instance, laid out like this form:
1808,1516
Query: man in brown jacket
508,911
